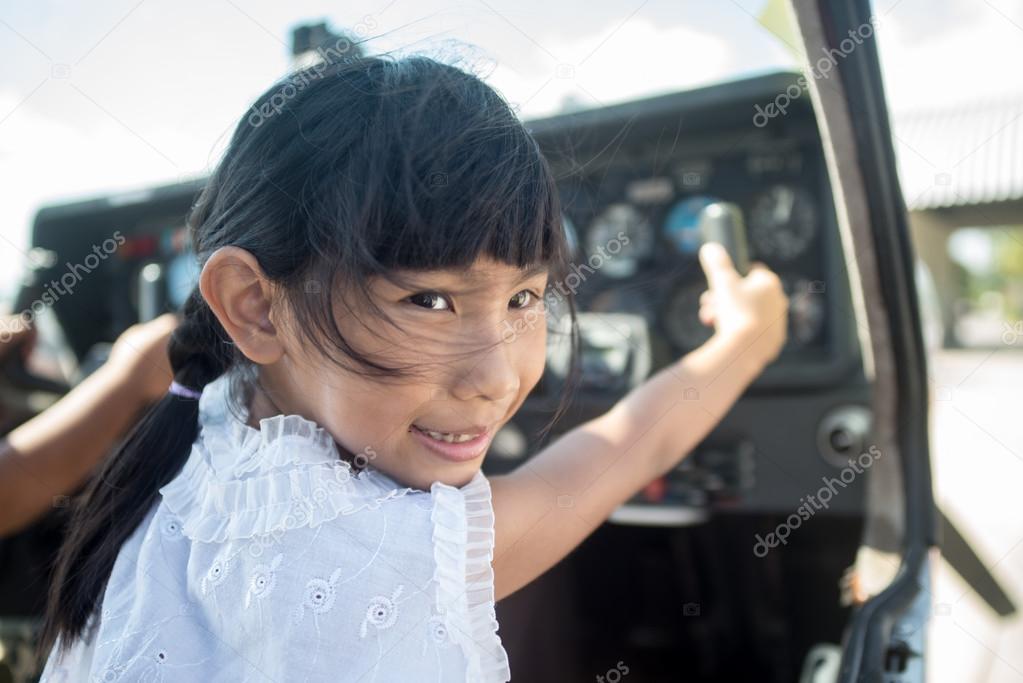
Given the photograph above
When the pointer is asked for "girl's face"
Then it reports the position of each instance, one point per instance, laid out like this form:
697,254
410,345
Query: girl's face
478,339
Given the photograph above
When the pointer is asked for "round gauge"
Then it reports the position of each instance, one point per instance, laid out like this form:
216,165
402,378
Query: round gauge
806,309
682,318
623,237
682,226
782,222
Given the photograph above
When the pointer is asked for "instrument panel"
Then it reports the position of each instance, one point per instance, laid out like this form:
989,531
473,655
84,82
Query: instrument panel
632,209
633,181
641,242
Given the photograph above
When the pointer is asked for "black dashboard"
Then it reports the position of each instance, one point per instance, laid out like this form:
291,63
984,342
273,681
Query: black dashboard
633,179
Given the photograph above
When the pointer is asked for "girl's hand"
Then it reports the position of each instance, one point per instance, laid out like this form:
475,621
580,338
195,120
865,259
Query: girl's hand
753,307
140,356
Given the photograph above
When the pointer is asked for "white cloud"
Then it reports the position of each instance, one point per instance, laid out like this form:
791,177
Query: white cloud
971,50
637,60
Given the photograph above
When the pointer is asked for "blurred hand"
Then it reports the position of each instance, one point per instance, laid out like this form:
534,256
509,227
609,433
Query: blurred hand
754,307
140,354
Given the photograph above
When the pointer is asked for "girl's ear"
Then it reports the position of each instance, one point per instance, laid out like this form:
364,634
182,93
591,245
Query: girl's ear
239,294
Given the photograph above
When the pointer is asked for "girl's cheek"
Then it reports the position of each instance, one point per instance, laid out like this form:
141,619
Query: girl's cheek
531,355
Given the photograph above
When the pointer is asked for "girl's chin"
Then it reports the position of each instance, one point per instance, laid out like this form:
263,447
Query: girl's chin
425,483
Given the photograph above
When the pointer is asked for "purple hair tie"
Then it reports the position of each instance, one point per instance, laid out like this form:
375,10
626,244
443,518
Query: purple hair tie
182,390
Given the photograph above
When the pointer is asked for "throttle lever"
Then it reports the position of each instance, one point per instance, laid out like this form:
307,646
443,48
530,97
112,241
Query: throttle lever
722,222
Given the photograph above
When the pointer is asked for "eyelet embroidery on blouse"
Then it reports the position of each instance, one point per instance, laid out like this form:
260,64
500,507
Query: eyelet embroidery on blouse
319,596
382,612
171,528
263,580
436,632
215,574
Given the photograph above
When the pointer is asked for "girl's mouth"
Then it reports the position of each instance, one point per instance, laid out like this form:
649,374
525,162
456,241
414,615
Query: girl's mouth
454,447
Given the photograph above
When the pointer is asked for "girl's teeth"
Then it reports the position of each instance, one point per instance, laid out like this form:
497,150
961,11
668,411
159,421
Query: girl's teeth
451,438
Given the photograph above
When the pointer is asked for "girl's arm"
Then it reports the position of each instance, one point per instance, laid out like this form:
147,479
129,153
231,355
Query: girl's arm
546,507
53,453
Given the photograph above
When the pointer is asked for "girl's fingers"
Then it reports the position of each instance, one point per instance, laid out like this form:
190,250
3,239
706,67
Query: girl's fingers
760,270
707,315
717,265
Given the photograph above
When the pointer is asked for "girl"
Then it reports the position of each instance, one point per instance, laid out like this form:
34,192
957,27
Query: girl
306,503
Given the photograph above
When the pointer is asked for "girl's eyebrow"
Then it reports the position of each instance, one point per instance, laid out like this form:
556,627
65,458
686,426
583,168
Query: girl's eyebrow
532,271
527,273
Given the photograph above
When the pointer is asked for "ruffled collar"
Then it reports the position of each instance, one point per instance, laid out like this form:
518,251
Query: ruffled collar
240,481
237,449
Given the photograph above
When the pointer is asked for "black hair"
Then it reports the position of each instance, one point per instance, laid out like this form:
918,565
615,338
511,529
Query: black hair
340,172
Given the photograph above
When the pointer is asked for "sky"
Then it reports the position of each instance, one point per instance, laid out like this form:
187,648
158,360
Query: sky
120,95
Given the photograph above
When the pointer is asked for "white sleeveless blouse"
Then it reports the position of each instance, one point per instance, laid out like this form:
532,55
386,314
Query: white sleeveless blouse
269,558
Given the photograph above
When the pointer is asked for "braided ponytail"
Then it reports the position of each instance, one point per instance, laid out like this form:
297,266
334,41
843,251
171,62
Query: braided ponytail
200,350
127,485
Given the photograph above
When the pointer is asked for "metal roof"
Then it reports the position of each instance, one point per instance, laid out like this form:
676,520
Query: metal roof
963,155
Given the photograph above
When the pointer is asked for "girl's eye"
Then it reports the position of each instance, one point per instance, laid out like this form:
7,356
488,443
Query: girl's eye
525,301
430,300
428,296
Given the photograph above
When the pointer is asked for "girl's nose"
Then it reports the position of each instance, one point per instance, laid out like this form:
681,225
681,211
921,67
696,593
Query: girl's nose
491,373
